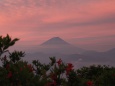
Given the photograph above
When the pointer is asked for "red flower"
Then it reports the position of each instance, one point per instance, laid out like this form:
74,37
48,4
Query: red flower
89,83
20,69
59,62
9,75
53,76
51,84
69,68
30,67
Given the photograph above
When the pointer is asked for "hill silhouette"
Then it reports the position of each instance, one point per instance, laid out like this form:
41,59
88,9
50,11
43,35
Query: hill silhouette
58,45
55,41
60,48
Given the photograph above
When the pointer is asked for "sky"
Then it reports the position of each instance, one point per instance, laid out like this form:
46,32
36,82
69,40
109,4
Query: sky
89,24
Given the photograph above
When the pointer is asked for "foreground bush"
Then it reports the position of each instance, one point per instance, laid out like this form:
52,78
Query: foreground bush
16,72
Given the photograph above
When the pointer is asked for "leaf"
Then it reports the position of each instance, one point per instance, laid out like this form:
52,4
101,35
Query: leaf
11,43
14,40
5,47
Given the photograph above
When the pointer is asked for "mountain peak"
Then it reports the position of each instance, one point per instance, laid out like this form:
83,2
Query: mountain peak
56,38
55,41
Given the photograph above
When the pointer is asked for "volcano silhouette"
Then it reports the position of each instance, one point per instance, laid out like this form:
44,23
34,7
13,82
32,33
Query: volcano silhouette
55,41
58,45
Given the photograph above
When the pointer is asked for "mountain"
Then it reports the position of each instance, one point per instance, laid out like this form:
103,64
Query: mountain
108,56
58,45
59,48
55,41
93,57
79,60
111,51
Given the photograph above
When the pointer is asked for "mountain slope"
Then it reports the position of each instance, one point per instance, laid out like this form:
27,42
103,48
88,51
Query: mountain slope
55,41
58,45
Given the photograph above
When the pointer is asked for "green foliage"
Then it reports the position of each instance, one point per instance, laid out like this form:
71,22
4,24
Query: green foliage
16,56
5,43
16,72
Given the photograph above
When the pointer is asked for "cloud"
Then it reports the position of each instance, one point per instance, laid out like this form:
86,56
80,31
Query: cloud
43,19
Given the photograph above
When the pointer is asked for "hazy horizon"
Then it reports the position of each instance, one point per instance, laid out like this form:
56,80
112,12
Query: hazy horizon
88,24
36,48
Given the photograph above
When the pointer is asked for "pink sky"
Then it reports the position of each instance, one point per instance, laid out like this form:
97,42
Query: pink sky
89,24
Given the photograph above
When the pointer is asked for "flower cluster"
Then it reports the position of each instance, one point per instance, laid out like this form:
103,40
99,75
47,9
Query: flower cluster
89,83
69,68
